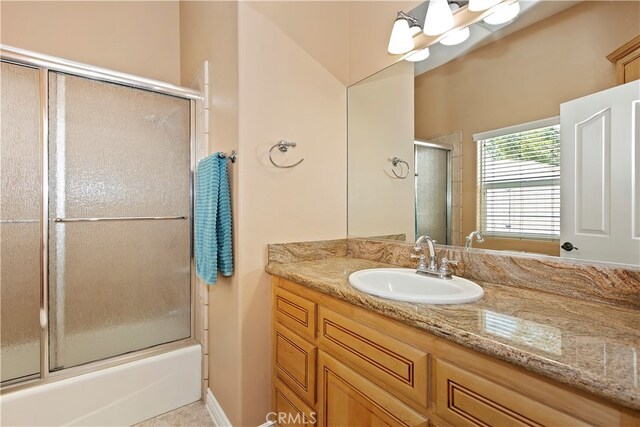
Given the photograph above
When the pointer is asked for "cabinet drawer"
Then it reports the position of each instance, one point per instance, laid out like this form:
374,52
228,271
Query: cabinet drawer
383,359
296,313
289,409
467,399
295,362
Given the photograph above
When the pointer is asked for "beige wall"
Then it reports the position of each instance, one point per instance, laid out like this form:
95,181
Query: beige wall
206,33
320,28
266,86
380,128
140,38
522,77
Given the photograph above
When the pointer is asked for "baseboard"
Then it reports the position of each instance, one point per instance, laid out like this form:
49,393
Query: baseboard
215,411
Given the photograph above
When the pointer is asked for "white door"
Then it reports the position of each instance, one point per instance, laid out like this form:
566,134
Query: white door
600,176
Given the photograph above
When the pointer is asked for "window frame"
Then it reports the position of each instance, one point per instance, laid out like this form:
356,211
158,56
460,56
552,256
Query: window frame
482,206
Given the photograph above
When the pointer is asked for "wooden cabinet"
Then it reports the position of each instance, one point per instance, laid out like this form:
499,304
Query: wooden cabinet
466,399
627,60
335,364
387,361
295,362
294,312
290,410
348,399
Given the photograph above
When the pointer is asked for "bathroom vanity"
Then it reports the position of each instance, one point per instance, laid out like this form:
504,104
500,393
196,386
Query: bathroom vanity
517,357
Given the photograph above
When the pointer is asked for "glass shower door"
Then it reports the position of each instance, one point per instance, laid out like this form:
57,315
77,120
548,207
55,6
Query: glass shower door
119,260
19,221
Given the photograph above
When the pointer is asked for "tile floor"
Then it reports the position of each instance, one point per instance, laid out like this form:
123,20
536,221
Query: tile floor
192,415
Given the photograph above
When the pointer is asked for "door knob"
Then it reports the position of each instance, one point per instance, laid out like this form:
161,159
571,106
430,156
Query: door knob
567,246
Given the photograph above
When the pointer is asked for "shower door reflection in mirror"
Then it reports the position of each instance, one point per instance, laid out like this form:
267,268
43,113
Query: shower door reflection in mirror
433,193
119,208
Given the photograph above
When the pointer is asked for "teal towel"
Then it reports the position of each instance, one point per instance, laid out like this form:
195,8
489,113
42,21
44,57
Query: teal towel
213,240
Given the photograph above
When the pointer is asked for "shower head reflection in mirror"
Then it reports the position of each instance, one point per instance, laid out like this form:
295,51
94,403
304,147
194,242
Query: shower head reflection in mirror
519,74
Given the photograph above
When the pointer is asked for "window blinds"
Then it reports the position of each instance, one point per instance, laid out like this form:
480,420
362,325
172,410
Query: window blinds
519,181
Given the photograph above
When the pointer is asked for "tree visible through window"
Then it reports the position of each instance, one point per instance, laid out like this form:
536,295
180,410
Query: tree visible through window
519,181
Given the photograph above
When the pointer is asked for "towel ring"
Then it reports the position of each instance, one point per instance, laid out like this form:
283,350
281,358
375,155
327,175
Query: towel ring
283,146
395,162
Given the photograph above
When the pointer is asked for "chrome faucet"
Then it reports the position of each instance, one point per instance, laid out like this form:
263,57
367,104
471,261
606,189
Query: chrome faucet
431,268
477,235
417,247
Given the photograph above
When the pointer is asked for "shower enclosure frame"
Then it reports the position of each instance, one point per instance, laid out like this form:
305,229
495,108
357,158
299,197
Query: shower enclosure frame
44,64
449,150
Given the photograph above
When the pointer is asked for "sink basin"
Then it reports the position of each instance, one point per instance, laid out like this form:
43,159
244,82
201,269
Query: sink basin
404,284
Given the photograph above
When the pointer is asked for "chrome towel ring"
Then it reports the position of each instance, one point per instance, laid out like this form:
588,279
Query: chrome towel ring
283,146
395,162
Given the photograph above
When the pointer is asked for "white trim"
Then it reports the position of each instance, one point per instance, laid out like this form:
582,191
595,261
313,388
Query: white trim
215,411
268,424
522,127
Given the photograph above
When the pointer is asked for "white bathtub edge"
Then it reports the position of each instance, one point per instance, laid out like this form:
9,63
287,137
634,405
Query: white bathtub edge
120,395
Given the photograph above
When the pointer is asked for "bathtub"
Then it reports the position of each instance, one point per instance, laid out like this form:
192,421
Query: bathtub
120,395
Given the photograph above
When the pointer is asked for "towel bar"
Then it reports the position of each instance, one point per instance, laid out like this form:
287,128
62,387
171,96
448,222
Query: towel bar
233,156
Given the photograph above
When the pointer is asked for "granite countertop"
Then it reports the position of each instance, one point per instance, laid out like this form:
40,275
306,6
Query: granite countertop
587,345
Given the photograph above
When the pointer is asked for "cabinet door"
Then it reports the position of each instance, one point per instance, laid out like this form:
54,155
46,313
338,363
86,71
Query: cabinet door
347,399
295,362
288,409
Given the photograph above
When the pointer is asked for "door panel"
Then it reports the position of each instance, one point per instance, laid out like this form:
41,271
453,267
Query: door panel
118,281
19,221
599,183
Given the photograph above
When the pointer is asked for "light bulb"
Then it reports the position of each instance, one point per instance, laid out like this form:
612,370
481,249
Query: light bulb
419,55
455,37
503,13
439,18
480,5
401,40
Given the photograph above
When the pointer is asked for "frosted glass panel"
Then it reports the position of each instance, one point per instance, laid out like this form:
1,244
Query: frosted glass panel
117,287
431,193
19,222
20,143
117,151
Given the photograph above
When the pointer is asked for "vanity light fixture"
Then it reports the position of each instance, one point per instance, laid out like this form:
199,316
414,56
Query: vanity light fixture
455,37
439,18
418,55
480,5
404,28
503,14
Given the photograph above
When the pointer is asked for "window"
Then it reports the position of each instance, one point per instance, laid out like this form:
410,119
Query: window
519,181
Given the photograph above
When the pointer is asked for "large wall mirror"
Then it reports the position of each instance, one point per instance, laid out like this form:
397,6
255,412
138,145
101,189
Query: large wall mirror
473,138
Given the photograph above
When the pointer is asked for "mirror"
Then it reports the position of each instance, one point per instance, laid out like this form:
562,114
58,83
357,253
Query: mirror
412,158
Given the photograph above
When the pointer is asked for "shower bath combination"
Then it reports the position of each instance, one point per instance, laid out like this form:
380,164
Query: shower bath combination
95,222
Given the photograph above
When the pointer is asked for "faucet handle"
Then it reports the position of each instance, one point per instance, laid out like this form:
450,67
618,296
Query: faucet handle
422,264
445,269
446,261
